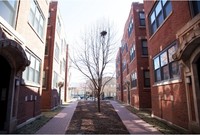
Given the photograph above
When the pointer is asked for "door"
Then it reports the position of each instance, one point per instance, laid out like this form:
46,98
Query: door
5,71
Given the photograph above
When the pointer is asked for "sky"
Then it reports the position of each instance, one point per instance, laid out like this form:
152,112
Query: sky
79,14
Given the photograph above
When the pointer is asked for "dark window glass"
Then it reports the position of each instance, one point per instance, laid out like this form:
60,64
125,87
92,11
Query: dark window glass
160,19
165,67
146,78
142,18
167,8
133,79
157,75
165,72
8,10
174,70
159,13
144,47
196,7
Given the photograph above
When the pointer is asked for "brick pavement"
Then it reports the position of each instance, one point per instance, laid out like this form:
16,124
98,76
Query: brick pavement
60,122
133,123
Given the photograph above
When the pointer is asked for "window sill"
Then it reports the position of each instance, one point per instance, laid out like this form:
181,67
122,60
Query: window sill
134,88
165,82
28,83
144,56
147,88
41,39
132,60
142,27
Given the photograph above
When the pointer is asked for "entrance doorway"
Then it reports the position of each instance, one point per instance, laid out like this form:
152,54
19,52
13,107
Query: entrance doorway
5,72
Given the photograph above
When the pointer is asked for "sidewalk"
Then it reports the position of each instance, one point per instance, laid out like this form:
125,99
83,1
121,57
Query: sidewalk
59,124
133,123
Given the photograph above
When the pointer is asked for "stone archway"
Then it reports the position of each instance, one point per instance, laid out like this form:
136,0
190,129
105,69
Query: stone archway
13,61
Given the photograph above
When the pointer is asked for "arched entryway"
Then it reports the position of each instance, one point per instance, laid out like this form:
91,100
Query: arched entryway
5,72
13,61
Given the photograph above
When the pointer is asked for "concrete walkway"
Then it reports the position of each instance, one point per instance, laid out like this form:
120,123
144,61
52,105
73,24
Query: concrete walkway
60,122
133,123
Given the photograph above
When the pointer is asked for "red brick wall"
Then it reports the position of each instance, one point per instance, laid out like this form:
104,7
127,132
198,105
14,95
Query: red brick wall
173,111
47,94
140,97
30,108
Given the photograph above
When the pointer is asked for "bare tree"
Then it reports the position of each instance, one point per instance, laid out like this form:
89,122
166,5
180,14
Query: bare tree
96,55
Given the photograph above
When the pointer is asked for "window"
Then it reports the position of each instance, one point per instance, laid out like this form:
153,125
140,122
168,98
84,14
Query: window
196,7
36,19
133,79
55,79
142,18
64,64
159,13
146,78
124,47
61,67
56,56
144,47
32,72
132,52
46,48
58,26
49,18
130,27
124,65
165,67
8,11
44,79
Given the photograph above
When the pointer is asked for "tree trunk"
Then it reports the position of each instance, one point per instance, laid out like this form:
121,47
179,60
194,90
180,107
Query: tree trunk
99,107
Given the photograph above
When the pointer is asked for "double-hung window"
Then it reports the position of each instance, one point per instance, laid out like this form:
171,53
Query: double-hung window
44,83
32,72
196,7
55,79
142,18
133,79
58,26
165,67
64,65
159,13
56,56
36,18
8,11
124,65
132,52
144,47
146,78
130,27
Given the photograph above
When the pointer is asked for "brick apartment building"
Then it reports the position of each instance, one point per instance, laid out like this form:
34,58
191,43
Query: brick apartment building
22,43
173,34
133,82
119,77
56,59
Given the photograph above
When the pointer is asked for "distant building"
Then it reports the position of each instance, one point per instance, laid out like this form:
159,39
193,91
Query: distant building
119,77
173,33
22,44
132,74
110,87
56,59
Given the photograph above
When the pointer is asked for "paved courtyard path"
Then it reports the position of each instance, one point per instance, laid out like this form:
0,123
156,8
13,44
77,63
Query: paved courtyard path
60,122
133,123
